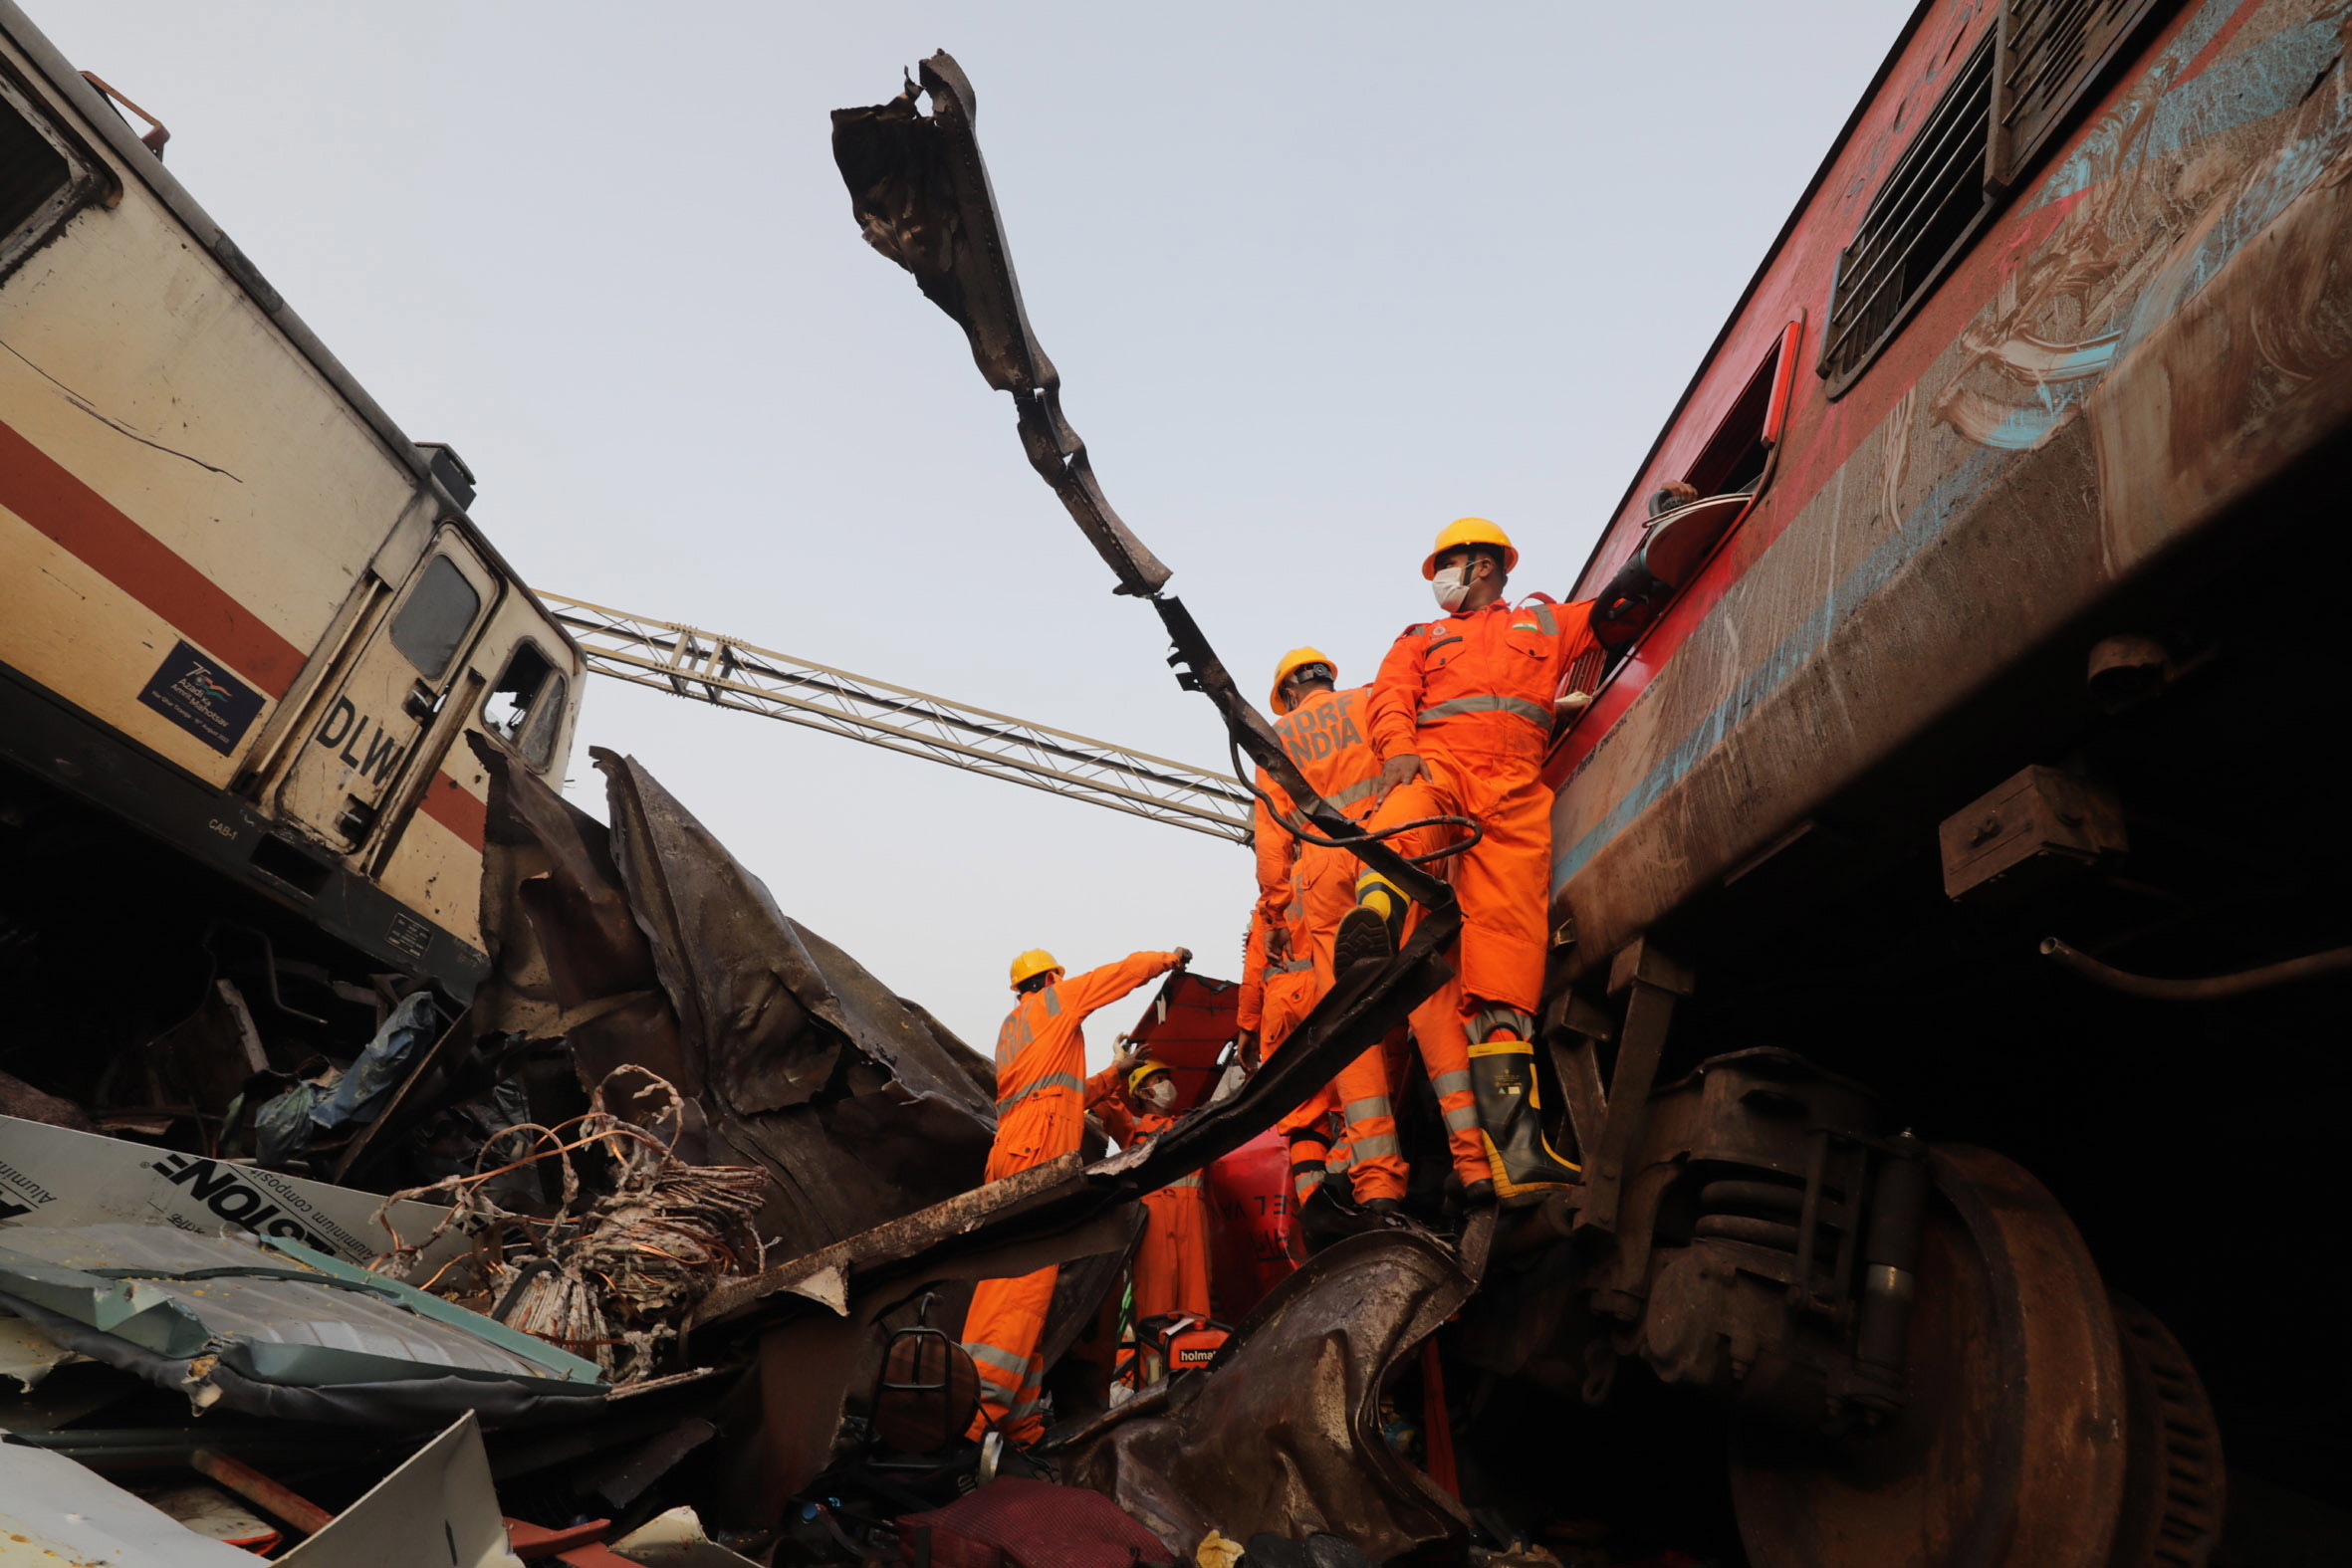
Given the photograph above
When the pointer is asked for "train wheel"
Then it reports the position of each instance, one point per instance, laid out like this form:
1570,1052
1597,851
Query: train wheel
2010,1450
2173,1491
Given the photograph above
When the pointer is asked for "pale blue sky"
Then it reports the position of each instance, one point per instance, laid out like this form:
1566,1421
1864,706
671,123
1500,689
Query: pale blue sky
1318,278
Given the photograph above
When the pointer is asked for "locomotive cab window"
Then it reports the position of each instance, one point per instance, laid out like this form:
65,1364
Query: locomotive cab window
526,707
435,621
44,177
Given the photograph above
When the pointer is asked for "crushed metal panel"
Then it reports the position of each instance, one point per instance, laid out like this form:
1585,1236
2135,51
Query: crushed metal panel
1283,1433
58,1177
277,1332
650,944
439,1507
743,975
55,1512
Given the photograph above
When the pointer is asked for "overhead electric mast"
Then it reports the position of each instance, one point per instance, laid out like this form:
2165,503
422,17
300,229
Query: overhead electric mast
730,673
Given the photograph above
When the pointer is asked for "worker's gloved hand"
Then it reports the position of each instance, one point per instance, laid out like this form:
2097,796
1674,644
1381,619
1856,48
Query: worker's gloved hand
1278,941
1396,774
1247,1048
1124,1058
1183,956
1572,703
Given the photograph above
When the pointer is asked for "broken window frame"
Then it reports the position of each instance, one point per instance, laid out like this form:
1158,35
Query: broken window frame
88,177
2014,97
538,720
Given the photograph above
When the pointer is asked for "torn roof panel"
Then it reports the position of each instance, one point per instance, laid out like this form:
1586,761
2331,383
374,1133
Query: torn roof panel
282,1331
229,1295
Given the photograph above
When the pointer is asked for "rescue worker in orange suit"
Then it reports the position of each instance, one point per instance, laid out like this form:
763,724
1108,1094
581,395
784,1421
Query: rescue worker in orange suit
1462,713
1303,891
1172,1264
1040,1116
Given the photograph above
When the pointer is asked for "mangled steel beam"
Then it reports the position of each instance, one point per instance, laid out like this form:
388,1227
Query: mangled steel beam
922,198
919,189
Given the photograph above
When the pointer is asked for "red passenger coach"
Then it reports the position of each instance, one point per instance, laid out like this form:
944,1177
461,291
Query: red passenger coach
1973,732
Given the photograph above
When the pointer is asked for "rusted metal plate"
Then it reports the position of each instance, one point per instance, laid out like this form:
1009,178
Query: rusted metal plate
2036,825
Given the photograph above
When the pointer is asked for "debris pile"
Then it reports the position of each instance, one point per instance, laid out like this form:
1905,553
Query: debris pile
653,1249
650,1249
612,1272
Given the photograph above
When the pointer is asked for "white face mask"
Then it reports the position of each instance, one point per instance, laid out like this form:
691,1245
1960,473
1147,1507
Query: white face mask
1160,1095
1449,587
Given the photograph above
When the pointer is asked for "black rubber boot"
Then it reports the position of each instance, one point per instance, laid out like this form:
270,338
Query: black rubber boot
1376,928
1527,1167
1363,938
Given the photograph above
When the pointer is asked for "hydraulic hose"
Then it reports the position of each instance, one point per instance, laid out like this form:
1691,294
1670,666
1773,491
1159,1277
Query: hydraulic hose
1308,836
2210,988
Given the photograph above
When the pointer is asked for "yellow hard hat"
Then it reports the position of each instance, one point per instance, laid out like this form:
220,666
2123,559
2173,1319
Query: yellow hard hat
1296,659
1135,1078
1035,962
1469,530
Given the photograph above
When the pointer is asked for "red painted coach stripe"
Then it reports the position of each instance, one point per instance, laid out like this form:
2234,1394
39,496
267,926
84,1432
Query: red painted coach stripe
448,803
38,489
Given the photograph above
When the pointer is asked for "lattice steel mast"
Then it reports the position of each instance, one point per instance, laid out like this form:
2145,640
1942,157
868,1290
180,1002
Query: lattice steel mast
730,673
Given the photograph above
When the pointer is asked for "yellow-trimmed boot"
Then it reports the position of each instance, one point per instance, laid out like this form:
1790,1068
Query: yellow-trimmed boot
1510,1117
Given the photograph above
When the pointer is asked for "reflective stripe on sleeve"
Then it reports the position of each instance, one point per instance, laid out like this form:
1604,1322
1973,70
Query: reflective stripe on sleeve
1461,1118
1378,1146
1487,702
1051,1080
1363,1110
1455,1082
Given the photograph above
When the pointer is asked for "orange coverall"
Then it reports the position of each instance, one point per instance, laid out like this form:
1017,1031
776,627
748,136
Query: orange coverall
1473,696
1040,1116
1303,890
1172,1264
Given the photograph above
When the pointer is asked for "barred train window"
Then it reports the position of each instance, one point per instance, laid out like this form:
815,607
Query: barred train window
43,176
2009,104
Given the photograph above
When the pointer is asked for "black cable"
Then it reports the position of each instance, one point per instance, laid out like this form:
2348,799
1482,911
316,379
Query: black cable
1308,836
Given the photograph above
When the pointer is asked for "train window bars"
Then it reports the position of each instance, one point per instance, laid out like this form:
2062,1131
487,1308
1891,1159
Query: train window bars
1917,225
46,176
2006,105
2049,53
